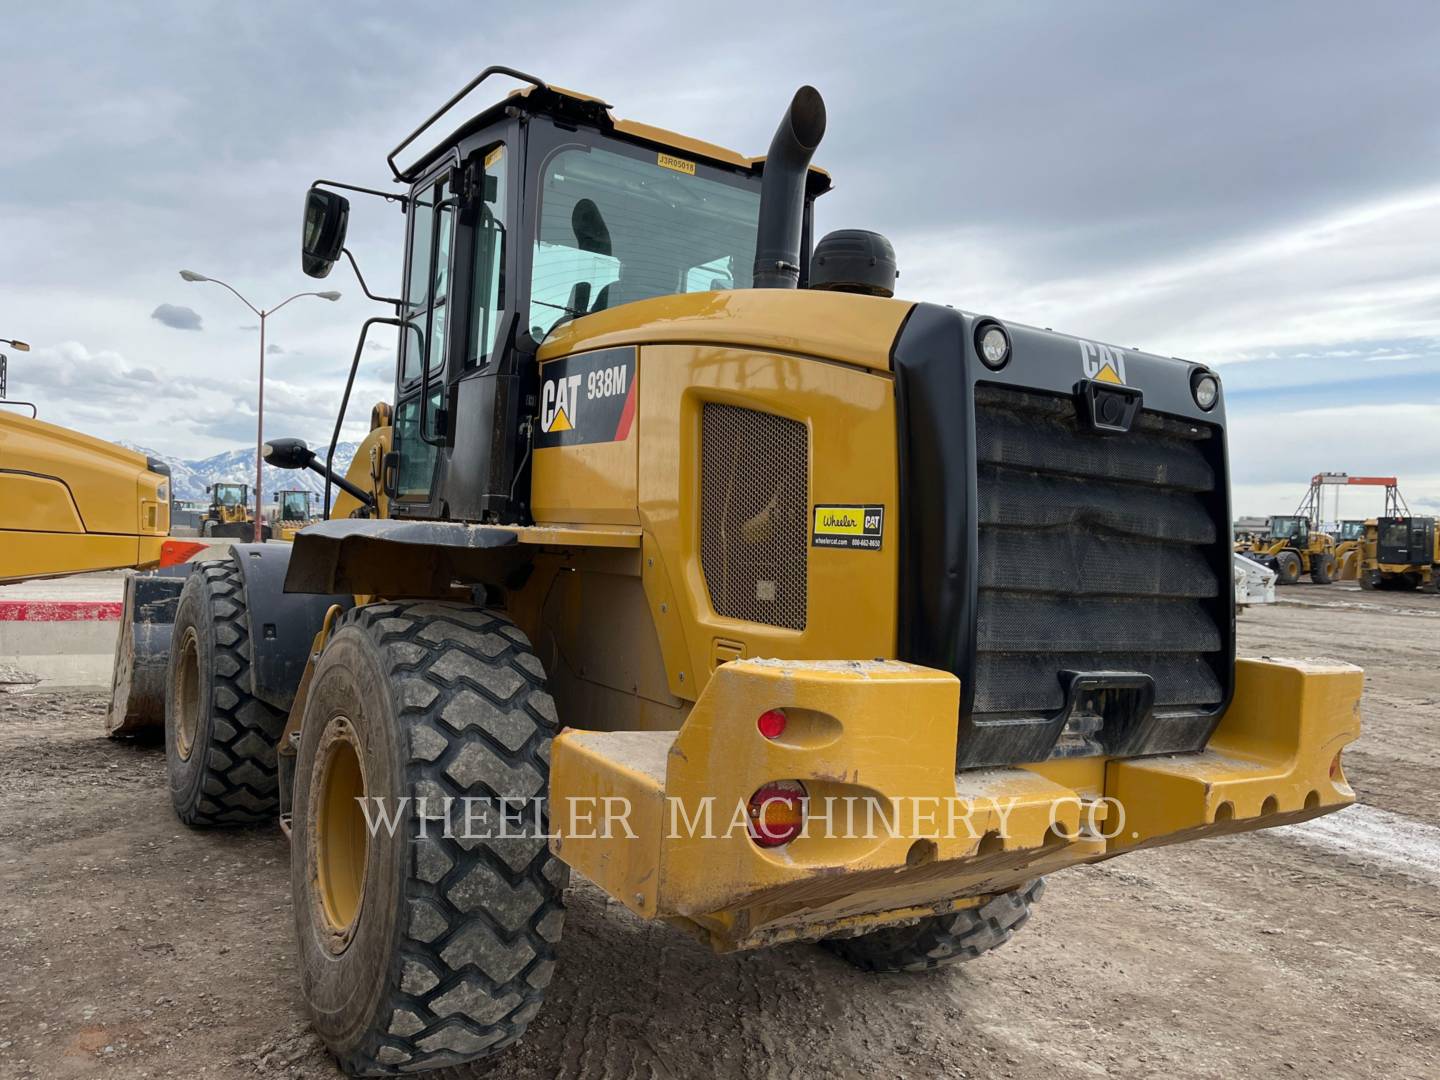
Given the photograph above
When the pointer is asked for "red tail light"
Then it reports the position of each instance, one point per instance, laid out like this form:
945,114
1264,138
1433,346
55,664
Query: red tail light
777,813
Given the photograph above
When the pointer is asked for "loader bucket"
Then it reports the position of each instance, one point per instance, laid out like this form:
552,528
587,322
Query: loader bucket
142,651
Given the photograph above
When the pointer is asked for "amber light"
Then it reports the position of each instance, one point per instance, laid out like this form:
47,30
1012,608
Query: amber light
777,813
772,723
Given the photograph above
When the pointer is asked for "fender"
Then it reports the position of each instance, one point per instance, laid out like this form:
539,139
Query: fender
396,557
282,624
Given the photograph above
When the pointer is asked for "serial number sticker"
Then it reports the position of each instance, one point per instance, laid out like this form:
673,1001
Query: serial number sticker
669,161
849,526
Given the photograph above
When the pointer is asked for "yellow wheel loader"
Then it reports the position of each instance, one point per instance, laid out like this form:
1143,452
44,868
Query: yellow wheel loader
692,560
229,513
292,512
1293,548
70,503
1350,549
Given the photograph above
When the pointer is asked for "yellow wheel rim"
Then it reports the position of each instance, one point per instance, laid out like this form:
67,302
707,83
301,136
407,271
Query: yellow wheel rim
187,695
342,841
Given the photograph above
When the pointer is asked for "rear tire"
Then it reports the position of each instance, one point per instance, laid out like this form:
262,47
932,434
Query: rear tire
1322,568
420,950
1369,580
219,738
1287,567
941,939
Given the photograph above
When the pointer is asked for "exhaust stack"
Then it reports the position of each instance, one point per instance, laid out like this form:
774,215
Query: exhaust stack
782,191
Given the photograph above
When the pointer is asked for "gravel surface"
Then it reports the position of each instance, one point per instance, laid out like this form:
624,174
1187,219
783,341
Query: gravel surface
133,947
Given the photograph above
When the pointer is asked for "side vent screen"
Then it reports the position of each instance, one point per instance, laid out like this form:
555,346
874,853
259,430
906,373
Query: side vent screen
754,514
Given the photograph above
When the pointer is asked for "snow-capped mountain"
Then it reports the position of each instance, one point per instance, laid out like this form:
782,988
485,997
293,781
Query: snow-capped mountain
190,478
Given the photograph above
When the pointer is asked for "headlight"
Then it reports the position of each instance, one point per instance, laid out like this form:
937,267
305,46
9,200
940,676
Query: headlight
993,345
162,493
1206,389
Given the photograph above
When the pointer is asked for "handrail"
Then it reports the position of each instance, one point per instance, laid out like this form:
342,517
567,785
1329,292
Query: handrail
406,177
387,320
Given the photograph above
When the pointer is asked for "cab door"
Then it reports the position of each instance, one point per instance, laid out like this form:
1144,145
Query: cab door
426,311
453,312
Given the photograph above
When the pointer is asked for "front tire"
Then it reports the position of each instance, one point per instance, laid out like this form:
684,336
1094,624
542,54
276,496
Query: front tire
1287,565
219,738
428,944
941,939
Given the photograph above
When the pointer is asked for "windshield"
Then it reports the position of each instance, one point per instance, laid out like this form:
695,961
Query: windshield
615,228
229,494
1395,534
294,505
1282,528
1352,530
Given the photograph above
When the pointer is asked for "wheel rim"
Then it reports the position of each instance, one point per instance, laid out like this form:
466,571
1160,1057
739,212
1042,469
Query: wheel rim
187,695
341,838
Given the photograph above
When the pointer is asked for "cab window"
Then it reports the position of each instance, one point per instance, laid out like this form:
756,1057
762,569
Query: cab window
432,232
488,273
620,227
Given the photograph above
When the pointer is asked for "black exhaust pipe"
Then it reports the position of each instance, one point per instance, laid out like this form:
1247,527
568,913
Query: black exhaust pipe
782,191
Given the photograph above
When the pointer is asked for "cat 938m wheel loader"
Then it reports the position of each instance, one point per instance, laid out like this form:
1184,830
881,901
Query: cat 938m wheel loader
690,559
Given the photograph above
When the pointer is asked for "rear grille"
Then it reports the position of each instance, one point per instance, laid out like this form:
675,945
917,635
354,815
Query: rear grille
1096,554
754,502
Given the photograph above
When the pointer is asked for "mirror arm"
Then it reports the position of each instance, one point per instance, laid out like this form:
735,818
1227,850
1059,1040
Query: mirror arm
388,196
364,497
366,288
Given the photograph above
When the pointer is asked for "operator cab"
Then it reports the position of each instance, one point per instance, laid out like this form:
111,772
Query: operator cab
230,495
1295,530
539,210
1405,541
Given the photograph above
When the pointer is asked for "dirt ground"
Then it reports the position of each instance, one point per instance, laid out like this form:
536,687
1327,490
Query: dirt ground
133,947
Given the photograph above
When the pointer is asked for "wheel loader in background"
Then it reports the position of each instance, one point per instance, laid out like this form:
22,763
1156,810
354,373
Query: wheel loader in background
683,537
229,513
1293,548
292,512
1349,548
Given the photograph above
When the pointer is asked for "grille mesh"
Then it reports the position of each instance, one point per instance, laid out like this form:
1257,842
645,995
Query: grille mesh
1095,555
754,510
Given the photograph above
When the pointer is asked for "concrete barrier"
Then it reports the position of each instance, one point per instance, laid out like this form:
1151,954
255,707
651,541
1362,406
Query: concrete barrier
61,632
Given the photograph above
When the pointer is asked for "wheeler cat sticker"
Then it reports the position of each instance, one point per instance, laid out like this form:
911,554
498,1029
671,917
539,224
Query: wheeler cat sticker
587,399
849,526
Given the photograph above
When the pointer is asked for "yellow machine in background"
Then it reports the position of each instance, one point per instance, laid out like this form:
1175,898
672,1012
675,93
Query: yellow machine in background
1294,548
1401,553
1349,548
292,512
71,503
229,513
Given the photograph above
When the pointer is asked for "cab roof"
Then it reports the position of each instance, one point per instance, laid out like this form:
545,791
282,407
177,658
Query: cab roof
547,99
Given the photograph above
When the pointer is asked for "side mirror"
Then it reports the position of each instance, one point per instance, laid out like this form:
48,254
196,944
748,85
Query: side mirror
288,454
327,214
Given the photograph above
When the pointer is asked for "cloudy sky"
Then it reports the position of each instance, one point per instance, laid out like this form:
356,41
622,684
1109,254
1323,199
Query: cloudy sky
1253,186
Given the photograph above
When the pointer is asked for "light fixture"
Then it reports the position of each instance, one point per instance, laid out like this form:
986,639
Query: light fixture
993,345
1205,388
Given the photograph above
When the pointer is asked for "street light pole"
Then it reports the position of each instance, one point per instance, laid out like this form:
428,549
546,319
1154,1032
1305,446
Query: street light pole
190,275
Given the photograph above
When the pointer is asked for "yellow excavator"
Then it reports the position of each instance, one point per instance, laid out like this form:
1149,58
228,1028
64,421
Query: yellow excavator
71,503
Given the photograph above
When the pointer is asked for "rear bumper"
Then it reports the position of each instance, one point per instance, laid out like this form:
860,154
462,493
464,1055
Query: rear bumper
894,833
